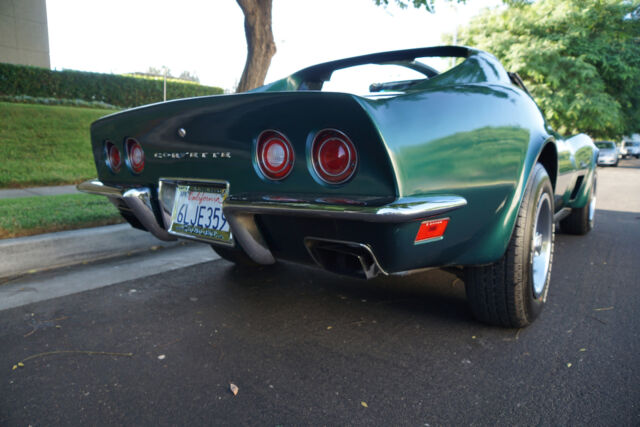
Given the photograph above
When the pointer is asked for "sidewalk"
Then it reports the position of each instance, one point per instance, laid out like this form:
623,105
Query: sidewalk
37,191
26,255
52,250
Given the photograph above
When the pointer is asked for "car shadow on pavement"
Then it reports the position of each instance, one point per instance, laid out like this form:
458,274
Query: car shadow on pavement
431,294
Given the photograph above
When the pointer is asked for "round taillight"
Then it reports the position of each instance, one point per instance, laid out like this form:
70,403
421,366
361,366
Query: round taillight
113,157
334,156
135,155
274,155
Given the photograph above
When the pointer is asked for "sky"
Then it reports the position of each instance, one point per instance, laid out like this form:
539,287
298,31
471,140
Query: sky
206,37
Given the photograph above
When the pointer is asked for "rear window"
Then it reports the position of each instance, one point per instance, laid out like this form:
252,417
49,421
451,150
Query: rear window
378,79
604,144
629,144
362,79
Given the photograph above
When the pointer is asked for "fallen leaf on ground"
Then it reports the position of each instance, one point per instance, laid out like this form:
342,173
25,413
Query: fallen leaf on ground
364,404
234,389
569,365
329,327
603,308
161,357
583,349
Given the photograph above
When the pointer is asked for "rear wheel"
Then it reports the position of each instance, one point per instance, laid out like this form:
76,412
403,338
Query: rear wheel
512,291
580,221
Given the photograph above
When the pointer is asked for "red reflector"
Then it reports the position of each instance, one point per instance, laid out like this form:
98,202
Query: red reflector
431,230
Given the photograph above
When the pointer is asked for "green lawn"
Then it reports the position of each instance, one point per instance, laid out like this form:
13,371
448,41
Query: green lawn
45,145
43,214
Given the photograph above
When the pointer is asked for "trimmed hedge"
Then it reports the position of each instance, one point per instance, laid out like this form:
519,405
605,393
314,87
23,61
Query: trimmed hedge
109,88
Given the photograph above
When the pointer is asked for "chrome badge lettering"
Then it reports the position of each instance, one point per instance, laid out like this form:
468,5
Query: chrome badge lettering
192,155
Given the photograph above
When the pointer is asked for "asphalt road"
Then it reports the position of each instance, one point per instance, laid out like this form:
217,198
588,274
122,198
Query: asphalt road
307,347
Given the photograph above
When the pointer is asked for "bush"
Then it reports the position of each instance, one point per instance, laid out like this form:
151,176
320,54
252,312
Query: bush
112,89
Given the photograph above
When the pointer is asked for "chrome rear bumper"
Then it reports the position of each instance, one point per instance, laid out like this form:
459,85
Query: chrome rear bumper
138,200
241,213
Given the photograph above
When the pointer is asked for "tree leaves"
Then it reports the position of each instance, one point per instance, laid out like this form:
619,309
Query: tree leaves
234,389
580,59
428,4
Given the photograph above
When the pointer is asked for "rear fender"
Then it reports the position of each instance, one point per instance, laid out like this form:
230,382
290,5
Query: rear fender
451,141
490,245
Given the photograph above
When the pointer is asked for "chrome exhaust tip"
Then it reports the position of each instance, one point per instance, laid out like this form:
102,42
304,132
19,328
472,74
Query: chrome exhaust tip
346,258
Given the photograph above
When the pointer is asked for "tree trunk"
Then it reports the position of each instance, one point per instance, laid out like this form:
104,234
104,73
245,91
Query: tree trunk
260,44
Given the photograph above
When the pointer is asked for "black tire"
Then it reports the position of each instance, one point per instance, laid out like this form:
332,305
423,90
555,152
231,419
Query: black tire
504,293
581,220
236,255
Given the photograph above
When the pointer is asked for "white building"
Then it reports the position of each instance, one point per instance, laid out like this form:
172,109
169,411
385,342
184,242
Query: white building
24,34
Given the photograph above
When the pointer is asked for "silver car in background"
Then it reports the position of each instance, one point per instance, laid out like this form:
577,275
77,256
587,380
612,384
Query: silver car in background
631,148
608,154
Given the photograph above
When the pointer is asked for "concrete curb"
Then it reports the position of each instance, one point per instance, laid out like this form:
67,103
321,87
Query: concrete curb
16,193
46,251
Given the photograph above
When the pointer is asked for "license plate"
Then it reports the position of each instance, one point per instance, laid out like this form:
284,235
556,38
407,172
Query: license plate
197,212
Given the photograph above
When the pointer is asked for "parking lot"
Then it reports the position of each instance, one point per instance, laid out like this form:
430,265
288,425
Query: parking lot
308,347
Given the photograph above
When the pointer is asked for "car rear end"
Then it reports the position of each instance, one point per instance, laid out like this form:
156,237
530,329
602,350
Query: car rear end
299,176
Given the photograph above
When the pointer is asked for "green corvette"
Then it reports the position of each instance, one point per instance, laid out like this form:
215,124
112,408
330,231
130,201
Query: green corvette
453,170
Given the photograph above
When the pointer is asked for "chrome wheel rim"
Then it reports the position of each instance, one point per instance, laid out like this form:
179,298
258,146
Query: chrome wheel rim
541,241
